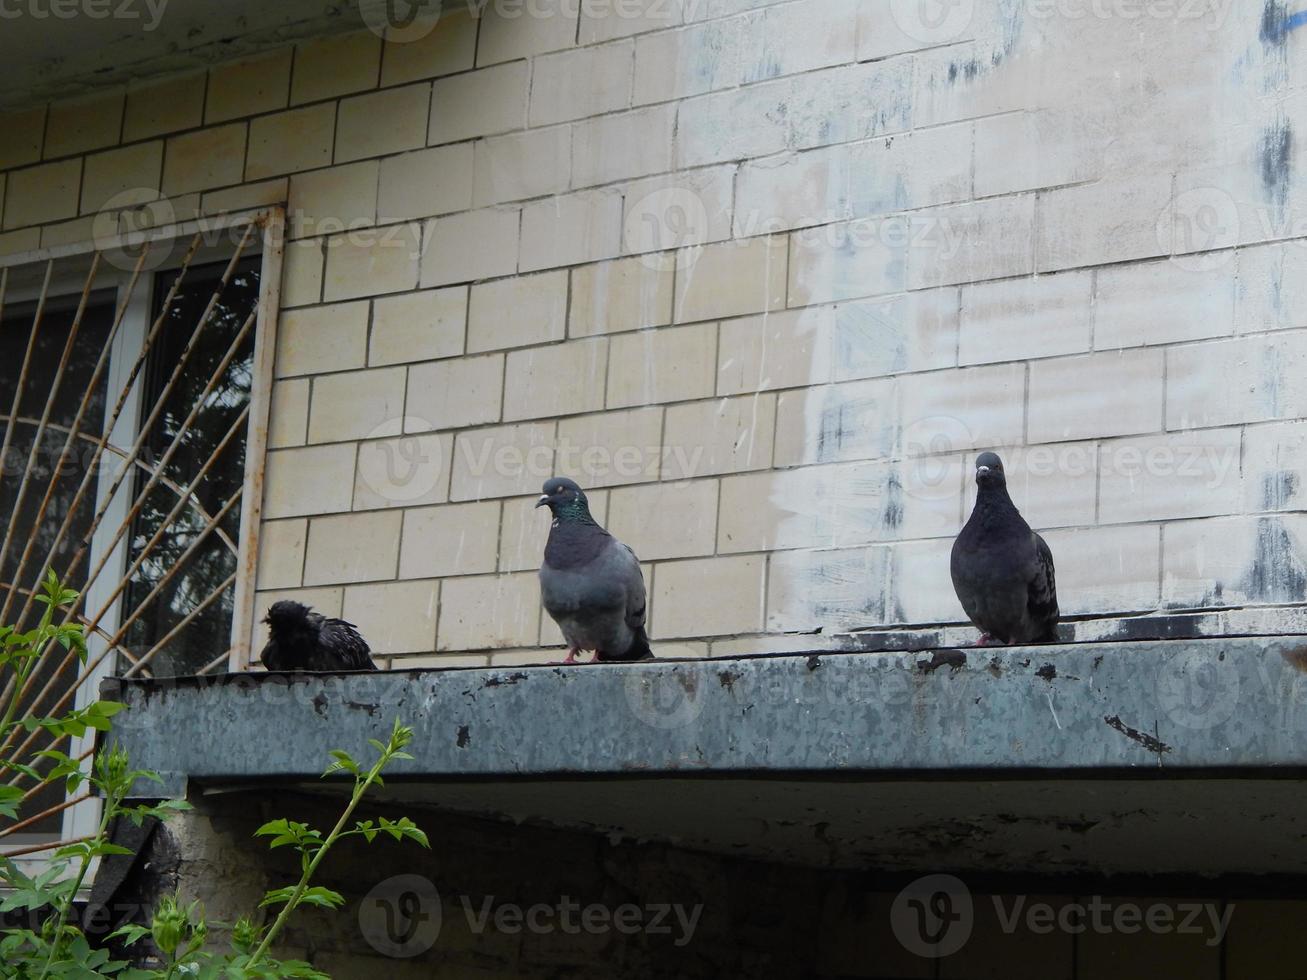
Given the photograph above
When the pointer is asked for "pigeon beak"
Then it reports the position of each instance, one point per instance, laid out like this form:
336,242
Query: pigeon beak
542,501
982,471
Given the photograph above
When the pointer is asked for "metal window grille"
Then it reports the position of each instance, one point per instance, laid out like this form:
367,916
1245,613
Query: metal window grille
135,379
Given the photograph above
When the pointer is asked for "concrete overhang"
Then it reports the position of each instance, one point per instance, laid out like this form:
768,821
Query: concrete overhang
1178,757
57,48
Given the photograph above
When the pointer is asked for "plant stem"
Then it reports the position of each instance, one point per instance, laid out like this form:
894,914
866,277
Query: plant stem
21,673
110,808
359,789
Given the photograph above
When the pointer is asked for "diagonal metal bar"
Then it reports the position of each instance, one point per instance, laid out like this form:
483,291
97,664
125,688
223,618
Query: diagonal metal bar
112,646
23,371
208,600
182,431
47,812
93,464
91,469
148,425
74,430
145,427
126,579
218,661
83,549
39,786
121,454
47,846
178,565
112,643
55,385
20,776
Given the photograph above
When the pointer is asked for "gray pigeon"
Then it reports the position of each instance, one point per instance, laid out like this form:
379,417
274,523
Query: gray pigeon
590,582
1002,570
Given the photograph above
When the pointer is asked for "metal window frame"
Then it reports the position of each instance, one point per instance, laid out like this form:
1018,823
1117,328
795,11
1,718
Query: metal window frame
82,818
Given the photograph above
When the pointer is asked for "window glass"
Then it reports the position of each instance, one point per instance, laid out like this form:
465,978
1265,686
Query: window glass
51,338
190,576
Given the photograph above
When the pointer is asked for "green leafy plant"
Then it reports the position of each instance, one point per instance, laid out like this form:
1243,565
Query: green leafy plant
56,946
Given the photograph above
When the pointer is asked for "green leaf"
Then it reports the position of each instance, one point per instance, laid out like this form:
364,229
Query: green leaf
273,827
278,896
104,848
10,797
129,933
105,709
322,897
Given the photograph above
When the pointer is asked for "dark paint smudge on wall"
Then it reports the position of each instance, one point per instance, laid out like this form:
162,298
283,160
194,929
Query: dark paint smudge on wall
1011,19
1276,153
1277,573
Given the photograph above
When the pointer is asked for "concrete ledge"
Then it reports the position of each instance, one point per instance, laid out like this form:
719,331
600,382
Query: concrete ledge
1228,706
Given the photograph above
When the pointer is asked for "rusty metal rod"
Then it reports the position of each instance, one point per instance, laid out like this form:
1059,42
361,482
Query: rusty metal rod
141,360
48,812
144,435
178,565
74,430
157,475
140,560
70,657
27,364
91,468
182,431
125,525
47,846
32,453
37,788
139,464
208,600
219,660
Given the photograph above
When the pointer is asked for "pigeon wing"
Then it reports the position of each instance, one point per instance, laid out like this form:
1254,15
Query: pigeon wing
272,658
1041,603
635,594
343,647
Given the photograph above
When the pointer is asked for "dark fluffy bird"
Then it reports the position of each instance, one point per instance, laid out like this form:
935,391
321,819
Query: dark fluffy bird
1002,570
300,639
590,582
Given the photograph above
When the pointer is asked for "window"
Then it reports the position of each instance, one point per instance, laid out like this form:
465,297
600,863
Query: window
134,391
30,462
182,594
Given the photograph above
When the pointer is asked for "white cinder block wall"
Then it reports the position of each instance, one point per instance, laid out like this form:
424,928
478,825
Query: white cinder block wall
762,275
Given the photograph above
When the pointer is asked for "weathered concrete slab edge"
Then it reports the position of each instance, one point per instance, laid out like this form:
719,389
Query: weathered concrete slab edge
1229,704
